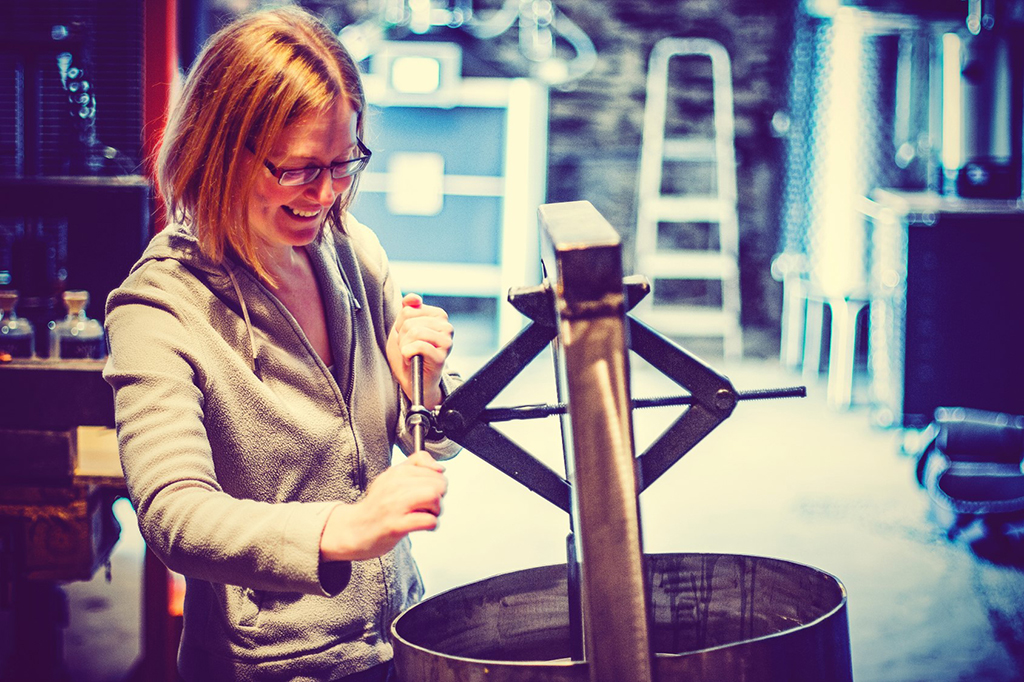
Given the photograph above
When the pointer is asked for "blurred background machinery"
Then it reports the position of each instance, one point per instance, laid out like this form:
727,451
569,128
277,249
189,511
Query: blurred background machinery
899,96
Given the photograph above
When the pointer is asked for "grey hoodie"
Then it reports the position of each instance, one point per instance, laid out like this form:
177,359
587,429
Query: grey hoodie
237,441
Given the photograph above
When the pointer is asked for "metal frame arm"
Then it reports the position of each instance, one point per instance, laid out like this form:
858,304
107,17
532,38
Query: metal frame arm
504,455
459,416
713,400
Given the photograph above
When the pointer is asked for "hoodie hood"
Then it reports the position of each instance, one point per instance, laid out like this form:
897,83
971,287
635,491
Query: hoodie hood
180,243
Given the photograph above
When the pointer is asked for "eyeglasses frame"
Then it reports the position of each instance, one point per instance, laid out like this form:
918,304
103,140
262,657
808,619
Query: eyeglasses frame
351,166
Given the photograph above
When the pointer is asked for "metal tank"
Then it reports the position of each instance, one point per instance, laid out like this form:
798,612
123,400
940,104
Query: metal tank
716,617
612,613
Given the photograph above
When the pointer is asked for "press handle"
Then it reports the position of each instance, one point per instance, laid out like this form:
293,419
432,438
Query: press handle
418,420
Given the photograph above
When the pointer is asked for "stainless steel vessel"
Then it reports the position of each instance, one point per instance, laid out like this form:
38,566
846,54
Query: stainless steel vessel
715,617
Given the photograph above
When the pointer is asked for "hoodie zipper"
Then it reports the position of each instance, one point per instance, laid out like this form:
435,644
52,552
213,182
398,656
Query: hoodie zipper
363,484
353,309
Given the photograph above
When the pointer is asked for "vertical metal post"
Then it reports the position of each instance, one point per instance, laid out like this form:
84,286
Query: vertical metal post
591,310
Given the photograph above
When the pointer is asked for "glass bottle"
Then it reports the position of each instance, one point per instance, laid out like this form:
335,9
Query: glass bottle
77,335
17,338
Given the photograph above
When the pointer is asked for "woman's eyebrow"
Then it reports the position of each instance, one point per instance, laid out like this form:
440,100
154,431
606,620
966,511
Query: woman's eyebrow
292,159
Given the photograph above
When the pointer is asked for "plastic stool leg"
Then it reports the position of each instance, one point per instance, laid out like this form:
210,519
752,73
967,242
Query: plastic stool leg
812,338
794,316
843,341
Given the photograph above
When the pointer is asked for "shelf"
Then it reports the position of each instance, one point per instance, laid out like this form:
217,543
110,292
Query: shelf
76,181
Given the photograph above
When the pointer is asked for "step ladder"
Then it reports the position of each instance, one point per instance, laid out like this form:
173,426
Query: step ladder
663,264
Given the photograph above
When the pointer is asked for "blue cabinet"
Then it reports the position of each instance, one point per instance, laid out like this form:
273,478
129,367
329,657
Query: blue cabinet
454,185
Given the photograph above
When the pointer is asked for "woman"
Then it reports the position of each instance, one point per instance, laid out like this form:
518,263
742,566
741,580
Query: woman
260,357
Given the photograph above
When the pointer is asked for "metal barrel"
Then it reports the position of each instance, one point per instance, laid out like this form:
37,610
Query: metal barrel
715,617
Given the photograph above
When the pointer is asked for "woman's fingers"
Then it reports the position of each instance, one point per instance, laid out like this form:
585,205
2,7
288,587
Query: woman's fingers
423,459
405,498
422,330
433,329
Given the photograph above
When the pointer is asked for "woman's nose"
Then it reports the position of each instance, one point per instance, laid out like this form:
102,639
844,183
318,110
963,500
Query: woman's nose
327,188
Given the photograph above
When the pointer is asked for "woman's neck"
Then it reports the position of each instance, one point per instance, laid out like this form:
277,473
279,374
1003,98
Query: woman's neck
284,263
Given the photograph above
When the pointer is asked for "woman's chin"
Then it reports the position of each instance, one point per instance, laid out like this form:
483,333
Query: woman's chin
300,230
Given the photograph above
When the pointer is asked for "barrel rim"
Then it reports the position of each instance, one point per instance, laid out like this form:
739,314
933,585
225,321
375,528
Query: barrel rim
832,612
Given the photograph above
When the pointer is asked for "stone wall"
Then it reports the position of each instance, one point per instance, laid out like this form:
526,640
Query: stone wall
596,127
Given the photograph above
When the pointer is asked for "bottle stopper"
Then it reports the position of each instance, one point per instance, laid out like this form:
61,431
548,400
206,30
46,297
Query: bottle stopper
76,300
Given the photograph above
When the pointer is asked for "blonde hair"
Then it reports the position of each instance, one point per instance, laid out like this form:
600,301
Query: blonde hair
253,78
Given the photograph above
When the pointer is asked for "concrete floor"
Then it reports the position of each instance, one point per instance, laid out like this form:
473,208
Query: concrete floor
786,478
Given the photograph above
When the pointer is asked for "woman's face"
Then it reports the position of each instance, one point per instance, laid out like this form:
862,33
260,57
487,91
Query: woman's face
282,216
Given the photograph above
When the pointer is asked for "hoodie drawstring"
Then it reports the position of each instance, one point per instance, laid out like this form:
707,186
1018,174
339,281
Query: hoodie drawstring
254,361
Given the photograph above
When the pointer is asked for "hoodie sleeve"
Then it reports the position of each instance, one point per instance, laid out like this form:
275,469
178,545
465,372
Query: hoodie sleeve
185,516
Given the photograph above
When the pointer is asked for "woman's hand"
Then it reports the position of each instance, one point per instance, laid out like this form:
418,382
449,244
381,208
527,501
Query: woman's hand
405,498
420,330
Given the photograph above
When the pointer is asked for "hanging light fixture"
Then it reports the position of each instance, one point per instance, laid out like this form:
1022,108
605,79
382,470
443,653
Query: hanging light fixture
541,28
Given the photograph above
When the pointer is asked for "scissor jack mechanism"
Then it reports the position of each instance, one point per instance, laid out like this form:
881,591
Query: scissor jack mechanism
465,418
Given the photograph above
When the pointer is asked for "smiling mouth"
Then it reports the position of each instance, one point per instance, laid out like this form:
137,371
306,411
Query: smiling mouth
302,214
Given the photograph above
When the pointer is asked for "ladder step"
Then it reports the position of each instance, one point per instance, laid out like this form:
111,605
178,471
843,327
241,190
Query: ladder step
681,209
689,149
687,265
681,320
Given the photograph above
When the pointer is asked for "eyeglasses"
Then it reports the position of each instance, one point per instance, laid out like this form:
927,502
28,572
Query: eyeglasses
304,176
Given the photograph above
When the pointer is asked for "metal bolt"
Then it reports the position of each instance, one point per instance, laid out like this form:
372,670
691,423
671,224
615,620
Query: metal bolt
725,399
452,421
